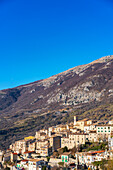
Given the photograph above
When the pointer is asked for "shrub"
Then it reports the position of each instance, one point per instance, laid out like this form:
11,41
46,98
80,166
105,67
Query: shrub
61,164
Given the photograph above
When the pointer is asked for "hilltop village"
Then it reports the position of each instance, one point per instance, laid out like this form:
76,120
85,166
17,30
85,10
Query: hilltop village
78,145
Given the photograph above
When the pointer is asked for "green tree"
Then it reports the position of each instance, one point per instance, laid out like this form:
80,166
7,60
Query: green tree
48,158
7,168
61,164
110,165
44,168
96,163
101,164
65,149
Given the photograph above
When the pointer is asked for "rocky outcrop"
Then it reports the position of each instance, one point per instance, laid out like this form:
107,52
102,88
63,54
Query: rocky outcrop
78,86
81,84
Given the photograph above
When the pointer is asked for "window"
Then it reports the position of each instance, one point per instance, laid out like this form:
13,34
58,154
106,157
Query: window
108,127
101,130
98,131
62,158
98,128
65,159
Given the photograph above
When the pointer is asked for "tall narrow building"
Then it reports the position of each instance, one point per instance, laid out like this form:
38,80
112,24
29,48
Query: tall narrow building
75,120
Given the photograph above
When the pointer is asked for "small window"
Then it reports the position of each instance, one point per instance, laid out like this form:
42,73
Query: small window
108,127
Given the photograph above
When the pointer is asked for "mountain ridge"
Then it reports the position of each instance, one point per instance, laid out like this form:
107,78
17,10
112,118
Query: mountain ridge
76,91
102,59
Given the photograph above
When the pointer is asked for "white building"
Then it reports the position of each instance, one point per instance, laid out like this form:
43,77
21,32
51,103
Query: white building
111,122
1,154
23,164
89,157
110,143
104,131
36,164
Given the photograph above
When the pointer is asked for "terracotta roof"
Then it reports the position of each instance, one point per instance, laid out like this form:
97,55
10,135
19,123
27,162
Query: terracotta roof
77,133
35,160
94,152
99,151
87,124
28,152
25,160
14,153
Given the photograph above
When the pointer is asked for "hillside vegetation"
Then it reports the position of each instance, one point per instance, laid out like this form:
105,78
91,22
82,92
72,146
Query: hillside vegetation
85,91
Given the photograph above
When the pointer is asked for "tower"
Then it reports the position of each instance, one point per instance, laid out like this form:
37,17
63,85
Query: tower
75,120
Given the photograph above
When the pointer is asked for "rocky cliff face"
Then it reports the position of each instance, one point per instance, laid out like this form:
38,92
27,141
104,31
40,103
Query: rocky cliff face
80,86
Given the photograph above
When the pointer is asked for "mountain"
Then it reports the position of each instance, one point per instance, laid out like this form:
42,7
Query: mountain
86,91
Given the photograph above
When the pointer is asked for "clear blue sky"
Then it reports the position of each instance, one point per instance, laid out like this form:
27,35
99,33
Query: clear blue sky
40,38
